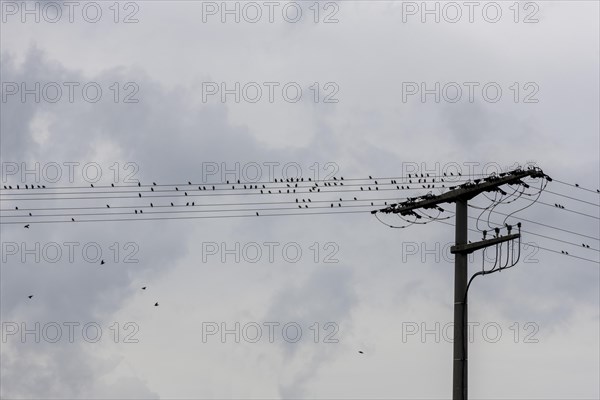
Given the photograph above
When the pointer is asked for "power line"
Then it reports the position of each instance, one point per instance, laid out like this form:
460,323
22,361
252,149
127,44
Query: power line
536,245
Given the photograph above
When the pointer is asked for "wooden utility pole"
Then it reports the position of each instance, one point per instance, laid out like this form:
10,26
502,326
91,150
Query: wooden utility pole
460,196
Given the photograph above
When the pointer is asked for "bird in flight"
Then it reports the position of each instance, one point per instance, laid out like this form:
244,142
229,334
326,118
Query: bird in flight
360,352
143,287
30,296
156,304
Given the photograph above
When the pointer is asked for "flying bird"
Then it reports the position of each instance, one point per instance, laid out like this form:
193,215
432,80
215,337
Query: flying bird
26,226
143,287
156,304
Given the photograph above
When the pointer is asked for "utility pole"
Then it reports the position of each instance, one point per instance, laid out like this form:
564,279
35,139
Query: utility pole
460,365
460,196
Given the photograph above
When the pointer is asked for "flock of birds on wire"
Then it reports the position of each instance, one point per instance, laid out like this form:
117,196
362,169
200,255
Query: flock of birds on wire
304,192
279,186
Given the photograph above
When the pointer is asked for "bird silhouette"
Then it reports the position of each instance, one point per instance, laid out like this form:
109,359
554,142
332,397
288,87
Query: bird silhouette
156,304
102,262
26,226
143,287
30,296
360,352
139,184
73,219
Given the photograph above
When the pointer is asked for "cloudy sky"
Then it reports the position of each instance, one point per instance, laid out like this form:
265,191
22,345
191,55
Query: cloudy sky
178,91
